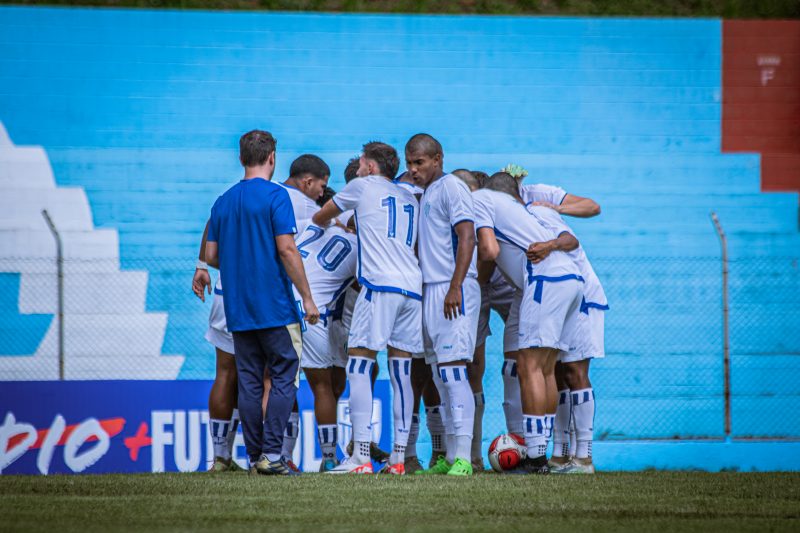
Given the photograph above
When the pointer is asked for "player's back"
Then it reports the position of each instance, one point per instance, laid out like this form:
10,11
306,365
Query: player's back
329,259
539,192
515,229
386,223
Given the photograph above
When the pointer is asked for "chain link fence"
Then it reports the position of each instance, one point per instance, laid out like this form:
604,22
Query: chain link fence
662,378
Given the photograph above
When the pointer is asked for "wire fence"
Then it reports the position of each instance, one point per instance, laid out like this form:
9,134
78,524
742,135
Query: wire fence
662,377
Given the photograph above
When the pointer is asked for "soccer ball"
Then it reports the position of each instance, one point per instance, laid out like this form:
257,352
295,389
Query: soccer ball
506,452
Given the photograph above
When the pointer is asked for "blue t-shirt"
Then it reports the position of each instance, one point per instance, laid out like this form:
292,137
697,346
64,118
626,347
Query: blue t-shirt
244,223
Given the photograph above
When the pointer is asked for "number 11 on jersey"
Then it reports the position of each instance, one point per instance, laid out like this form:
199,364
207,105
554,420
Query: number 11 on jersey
390,202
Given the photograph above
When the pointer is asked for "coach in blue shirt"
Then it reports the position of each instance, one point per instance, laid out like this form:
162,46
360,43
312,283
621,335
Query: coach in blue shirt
251,240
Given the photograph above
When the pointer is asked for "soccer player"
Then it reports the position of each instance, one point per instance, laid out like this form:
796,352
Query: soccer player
549,307
451,295
251,239
329,257
388,311
576,397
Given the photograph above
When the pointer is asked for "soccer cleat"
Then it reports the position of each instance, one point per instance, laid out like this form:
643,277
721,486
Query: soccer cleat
327,465
532,466
576,467
375,453
274,468
222,465
412,465
557,468
461,467
347,467
477,465
440,468
397,469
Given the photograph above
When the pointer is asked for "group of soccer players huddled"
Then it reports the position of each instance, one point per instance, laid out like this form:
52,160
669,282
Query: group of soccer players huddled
414,264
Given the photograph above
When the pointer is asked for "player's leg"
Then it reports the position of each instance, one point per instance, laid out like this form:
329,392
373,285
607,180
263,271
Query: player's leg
552,395
250,363
221,406
512,400
420,377
476,370
531,364
583,410
561,425
321,383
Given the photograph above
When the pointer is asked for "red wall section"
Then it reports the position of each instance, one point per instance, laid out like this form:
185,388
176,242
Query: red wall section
761,97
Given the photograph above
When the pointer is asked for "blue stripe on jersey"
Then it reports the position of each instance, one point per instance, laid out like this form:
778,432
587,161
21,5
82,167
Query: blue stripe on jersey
341,289
454,241
337,205
506,238
386,288
358,248
217,291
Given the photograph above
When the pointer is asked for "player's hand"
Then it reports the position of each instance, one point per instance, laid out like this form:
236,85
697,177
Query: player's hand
200,283
312,313
538,251
548,204
452,303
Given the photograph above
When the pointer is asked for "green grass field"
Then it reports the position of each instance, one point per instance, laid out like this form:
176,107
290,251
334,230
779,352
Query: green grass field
648,501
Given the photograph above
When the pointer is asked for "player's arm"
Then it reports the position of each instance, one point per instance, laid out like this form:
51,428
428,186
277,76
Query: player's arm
202,280
465,231
212,254
574,206
488,247
328,212
293,263
485,271
538,251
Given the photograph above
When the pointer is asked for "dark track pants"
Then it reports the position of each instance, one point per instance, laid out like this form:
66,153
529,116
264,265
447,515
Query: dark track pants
277,349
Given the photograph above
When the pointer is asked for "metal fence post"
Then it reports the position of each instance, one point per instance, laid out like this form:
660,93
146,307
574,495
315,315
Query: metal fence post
60,267
726,347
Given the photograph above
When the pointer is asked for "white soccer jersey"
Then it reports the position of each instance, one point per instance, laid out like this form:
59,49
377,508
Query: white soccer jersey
446,202
515,229
592,289
329,259
387,216
416,190
539,192
303,206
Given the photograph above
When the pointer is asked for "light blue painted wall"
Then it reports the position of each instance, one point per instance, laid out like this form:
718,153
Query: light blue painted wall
144,108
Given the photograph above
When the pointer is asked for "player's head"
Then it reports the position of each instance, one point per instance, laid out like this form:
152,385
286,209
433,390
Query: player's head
327,194
256,149
467,177
378,159
481,176
424,158
504,182
310,174
351,170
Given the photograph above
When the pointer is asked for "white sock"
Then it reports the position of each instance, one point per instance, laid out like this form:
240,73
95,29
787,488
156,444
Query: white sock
403,405
219,437
561,424
477,426
433,419
290,436
447,416
535,439
549,420
461,405
232,431
573,438
359,370
413,435
512,401
327,436
583,407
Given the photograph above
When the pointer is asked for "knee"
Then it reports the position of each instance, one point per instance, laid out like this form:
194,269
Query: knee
576,376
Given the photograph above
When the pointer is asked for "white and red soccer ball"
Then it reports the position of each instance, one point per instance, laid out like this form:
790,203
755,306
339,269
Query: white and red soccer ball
506,452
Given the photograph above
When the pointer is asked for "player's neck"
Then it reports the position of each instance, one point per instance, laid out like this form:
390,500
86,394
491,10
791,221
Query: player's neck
439,174
263,171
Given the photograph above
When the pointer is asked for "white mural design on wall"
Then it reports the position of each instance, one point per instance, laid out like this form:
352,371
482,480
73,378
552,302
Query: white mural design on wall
108,333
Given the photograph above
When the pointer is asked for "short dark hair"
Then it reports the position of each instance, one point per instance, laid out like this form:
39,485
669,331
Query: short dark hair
351,170
385,156
309,164
327,194
467,177
424,143
255,147
503,182
481,176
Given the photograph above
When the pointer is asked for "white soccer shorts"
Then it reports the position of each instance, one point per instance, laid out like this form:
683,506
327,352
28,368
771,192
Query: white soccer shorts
446,340
319,349
217,333
591,345
549,314
386,318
